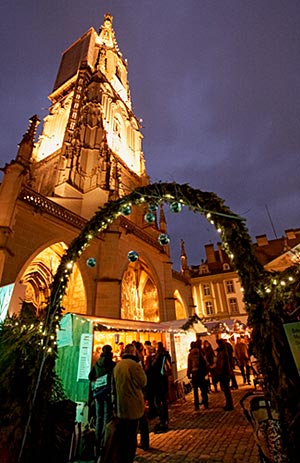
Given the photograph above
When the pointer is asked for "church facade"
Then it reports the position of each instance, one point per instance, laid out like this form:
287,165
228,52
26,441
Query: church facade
89,152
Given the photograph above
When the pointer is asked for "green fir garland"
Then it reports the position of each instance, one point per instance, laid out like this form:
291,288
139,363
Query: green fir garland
270,299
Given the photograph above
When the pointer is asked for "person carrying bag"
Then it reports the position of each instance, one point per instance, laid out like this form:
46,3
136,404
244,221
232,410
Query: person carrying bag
101,377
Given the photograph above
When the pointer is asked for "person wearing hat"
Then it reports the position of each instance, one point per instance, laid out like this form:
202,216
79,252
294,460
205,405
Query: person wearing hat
100,377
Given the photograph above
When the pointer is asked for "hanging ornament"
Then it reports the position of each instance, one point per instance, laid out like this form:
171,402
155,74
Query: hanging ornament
91,262
175,207
163,239
149,217
153,207
132,256
126,210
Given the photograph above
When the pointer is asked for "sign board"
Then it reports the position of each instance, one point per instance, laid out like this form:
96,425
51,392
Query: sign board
65,333
85,356
292,331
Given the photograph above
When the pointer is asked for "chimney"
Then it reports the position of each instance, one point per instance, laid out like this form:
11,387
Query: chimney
210,253
220,252
290,234
262,240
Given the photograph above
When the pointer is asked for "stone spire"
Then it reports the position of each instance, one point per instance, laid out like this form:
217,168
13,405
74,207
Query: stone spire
183,259
162,220
107,35
27,143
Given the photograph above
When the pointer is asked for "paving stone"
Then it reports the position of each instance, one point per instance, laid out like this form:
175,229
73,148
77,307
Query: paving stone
207,436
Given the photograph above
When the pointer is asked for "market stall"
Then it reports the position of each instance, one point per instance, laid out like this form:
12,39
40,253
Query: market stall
81,337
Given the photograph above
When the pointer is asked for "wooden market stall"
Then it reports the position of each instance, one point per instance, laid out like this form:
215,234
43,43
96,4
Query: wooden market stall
80,336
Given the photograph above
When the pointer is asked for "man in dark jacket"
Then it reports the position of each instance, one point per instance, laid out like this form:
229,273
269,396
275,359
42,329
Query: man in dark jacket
161,369
224,372
197,370
101,373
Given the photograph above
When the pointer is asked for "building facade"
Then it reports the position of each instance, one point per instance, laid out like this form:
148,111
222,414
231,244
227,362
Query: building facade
216,287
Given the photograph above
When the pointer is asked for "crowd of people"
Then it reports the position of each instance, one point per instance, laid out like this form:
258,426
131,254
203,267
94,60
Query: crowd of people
132,388
129,390
209,368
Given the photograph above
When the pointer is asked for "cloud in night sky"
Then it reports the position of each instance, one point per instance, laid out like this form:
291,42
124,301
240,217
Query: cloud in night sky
216,83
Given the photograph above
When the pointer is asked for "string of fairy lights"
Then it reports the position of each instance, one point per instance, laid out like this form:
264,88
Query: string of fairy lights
256,282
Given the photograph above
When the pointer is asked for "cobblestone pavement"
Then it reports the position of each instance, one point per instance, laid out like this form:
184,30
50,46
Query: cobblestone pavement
205,436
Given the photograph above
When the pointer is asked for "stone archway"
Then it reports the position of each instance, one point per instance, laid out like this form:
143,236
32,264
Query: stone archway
36,279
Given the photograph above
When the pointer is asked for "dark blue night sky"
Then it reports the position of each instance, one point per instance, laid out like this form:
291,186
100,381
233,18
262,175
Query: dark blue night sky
216,83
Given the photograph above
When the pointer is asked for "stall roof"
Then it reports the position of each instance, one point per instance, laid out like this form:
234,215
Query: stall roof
116,324
214,325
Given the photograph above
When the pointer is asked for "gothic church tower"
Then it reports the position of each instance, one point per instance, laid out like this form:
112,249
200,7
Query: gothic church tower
91,140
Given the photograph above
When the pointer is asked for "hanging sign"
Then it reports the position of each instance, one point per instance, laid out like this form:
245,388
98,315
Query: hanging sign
292,331
85,356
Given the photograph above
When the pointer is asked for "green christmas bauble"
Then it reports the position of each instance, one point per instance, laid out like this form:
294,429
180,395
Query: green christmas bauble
149,217
91,262
175,207
132,256
126,210
163,239
153,207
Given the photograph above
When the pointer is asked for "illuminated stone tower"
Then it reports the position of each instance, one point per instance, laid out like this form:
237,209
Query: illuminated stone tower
89,152
91,140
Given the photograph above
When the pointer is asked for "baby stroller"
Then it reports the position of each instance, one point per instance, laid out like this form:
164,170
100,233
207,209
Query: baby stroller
266,426
258,379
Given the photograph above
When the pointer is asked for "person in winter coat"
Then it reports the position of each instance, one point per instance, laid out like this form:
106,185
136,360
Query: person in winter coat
243,359
129,382
103,403
211,362
161,363
224,372
197,370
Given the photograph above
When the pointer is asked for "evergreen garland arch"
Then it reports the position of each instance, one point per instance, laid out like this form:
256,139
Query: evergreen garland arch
271,299
266,295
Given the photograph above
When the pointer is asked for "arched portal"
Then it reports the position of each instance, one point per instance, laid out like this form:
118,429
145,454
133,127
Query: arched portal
180,308
33,286
139,294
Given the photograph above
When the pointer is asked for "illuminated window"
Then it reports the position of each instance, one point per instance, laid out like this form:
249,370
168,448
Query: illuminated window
229,286
209,308
206,290
233,305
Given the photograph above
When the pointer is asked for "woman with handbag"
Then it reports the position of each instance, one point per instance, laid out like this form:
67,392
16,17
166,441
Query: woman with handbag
100,377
